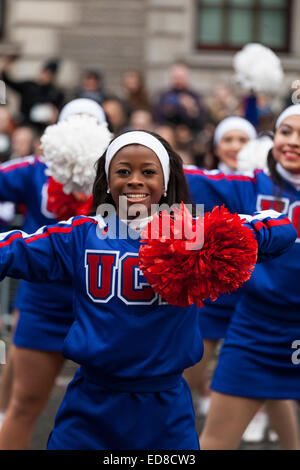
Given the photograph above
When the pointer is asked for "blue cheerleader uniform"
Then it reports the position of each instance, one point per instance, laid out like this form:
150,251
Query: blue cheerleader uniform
256,358
131,346
45,310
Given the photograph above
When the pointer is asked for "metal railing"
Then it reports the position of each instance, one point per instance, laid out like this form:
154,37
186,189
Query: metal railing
8,289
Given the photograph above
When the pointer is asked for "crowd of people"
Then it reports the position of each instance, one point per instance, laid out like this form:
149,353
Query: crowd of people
180,112
189,144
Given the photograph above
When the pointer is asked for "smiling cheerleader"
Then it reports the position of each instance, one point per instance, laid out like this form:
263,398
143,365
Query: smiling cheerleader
132,346
256,360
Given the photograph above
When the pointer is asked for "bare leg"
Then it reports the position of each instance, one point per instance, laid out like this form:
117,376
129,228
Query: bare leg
34,376
226,421
197,376
6,381
283,419
7,371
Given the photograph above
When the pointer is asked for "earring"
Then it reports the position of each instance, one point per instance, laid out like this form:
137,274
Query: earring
108,191
165,194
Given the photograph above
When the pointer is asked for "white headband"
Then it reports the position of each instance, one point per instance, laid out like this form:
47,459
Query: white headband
234,123
145,139
82,106
293,110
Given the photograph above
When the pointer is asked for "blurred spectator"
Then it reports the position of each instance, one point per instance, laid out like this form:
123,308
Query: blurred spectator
184,136
266,114
23,141
259,109
115,111
37,150
202,148
7,209
6,129
140,120
167,132
6,122
135,94
223,103
179,139
180,104
92,86
184,143
40,99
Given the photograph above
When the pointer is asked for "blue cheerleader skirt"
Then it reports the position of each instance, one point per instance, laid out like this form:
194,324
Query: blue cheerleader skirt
96,415
214,327
41,332
45,315
214,317
256,359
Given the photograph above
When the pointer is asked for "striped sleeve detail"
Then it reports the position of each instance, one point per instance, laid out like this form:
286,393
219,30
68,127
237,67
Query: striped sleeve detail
272,223
217,175
11,238
45,232
17,163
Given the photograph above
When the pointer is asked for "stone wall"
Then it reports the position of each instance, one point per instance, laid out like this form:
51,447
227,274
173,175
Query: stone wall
115,35
110,36
34,27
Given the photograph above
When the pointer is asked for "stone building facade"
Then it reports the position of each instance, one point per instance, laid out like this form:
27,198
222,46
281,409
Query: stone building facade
114,35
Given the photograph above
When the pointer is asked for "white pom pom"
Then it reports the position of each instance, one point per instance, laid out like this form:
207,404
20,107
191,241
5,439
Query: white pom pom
71,148
257,68
254,154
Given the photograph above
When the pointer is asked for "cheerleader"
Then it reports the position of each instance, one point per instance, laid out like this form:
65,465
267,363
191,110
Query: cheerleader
45,310
230,136
255,362
131,345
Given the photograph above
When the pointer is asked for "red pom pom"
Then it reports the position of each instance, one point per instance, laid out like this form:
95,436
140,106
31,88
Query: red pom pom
64,205
182,270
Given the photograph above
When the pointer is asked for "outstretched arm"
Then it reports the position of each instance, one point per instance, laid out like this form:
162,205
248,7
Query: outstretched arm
214,188
47,255
274,232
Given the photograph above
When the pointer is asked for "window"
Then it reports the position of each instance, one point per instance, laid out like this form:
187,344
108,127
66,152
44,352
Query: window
230,24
